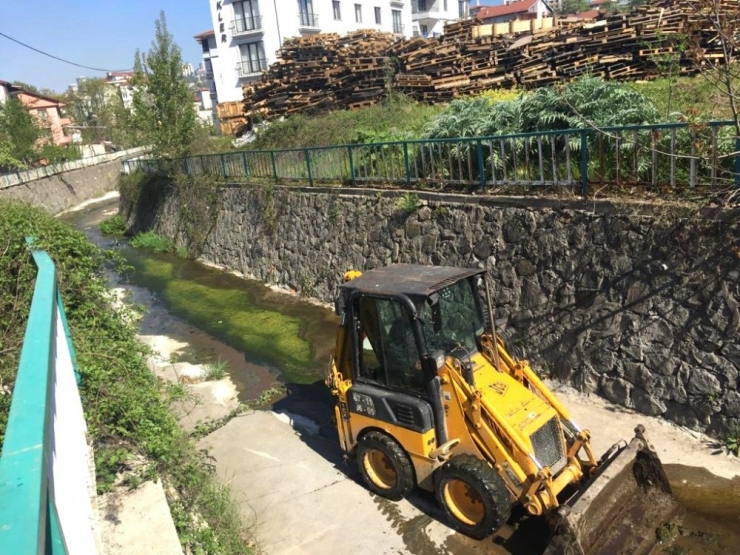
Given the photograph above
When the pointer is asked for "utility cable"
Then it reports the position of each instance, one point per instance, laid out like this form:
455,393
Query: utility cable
57,57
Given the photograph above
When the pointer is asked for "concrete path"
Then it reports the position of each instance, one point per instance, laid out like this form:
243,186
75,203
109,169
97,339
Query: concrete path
302,498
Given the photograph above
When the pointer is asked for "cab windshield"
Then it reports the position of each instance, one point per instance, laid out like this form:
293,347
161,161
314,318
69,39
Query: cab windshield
459,321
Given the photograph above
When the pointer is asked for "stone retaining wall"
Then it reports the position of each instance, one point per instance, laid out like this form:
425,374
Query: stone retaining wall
641,309
57,188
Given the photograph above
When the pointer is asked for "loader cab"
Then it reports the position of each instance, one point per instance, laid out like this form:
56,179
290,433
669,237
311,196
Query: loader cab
402,320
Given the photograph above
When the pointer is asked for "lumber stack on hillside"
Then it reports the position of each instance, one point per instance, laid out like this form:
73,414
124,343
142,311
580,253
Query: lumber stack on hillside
321,72
325,72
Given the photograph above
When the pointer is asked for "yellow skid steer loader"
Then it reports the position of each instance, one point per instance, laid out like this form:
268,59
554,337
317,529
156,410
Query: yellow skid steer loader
428,396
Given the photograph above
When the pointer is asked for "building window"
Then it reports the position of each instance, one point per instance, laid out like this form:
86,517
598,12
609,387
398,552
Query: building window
397,25
306,15
253,58
337,11
463,8
377,16
358,13
424,30
246,16
445,5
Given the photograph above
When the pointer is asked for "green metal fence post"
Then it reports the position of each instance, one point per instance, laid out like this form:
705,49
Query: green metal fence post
737,161
481,168
308,166
223,166
351,165
244,164
406,162
274,165
584,163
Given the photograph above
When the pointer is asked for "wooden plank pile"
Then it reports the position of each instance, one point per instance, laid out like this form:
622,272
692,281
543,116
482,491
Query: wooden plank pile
322,72
325,72
230,117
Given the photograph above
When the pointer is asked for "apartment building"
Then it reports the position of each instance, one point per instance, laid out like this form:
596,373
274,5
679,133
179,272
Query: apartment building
247,34
430,16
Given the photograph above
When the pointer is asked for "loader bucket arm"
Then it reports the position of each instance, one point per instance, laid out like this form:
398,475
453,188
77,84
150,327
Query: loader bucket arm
620,508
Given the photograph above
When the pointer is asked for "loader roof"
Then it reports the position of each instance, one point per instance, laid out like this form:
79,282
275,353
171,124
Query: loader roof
411,280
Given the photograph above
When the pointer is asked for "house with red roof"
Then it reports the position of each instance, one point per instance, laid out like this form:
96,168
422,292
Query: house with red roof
511,10
45,110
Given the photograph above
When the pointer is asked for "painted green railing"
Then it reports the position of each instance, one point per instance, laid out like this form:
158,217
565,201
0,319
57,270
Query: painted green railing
47,482
671,154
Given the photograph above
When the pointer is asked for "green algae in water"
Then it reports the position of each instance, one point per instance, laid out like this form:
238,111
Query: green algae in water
222,305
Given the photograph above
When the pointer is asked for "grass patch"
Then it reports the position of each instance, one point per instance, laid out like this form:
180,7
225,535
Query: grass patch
732,441
127,408
215,370
228,312
153,241
391,119
115,225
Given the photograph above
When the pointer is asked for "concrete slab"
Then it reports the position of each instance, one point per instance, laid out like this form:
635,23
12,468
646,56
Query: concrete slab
138,522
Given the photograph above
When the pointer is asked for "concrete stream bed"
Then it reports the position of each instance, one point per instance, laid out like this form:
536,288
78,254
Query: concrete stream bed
284,464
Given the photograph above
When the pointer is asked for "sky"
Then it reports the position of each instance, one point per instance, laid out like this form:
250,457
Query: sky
101,34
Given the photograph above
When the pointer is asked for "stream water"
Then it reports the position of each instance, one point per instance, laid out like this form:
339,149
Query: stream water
268,337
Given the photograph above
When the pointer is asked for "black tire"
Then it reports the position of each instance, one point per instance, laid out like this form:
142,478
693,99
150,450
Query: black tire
385,466
473,496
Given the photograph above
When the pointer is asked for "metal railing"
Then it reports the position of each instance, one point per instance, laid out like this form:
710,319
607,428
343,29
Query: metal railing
246,25
47,480
307,19
398,28
673,154
251,67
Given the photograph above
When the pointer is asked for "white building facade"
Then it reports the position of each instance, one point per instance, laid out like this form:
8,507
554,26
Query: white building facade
249,33
430,16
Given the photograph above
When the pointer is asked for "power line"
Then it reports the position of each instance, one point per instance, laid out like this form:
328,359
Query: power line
57,57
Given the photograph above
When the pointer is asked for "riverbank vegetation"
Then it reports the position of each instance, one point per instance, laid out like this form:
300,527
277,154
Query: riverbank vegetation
127,408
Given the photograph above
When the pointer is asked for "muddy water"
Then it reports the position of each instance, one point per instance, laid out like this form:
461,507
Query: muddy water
267,337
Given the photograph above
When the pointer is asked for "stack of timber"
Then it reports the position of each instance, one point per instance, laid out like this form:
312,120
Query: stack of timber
231,117
325,72
322,72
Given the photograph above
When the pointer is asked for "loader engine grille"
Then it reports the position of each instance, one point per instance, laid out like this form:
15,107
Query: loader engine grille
548,446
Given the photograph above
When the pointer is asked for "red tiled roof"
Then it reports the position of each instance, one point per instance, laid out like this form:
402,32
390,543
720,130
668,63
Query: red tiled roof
588,14
487,12
205,34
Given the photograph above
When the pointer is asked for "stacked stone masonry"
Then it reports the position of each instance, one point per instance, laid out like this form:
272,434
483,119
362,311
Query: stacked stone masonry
641,310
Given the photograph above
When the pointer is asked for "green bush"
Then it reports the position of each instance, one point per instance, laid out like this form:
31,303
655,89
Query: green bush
114,225
153,241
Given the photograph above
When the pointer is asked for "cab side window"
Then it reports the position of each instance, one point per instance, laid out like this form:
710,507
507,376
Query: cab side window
388,352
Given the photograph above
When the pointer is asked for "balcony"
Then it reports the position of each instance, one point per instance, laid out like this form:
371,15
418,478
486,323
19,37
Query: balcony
246,26
308,21
424,10
251,68
398,29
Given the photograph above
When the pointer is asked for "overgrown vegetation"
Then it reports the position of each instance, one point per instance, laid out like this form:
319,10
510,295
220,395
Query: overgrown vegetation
732,441
115,225
153,241
395,118
582,104
126,406
215,370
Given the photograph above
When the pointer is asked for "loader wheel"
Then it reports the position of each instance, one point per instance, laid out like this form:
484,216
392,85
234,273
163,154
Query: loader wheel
473,495
385,466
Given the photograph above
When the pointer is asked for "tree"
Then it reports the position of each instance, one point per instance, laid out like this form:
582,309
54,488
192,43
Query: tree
163,108
572,6
19,135
93,106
